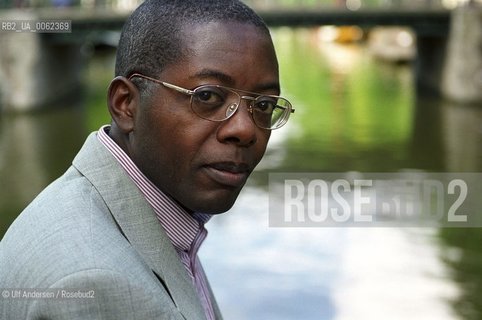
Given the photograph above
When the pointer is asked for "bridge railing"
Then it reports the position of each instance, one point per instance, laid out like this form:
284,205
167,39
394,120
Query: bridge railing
262,4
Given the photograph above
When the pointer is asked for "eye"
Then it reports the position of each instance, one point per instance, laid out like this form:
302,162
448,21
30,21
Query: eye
265,104
210,95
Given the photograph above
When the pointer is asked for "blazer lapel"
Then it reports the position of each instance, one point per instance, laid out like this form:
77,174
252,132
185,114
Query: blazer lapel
138,222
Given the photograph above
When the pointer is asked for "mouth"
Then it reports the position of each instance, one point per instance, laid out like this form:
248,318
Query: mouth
229,174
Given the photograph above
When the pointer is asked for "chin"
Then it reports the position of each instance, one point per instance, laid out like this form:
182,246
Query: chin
215,205
215,208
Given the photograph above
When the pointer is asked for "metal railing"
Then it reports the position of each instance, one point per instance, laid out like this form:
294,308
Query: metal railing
261,4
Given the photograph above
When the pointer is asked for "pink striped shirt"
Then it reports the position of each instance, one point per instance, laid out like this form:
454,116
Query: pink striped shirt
186,231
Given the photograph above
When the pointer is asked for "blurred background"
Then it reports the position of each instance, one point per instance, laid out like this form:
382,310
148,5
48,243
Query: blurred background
378,86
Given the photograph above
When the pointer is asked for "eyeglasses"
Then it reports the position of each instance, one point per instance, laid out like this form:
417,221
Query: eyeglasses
219,103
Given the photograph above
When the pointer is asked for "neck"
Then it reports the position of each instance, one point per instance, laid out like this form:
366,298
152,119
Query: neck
119,137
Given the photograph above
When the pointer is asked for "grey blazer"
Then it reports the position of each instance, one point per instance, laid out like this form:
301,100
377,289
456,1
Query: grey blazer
92,231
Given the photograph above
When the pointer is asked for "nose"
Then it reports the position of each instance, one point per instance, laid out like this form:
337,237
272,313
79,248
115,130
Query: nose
240,128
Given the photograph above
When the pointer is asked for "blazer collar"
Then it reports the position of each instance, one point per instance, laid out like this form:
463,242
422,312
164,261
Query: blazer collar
138,222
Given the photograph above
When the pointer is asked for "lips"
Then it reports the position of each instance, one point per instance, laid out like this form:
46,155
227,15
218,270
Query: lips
229,174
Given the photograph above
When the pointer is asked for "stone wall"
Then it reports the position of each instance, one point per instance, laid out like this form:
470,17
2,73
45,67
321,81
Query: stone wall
462,74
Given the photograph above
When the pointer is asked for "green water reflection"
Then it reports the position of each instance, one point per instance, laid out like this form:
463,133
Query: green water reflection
352,113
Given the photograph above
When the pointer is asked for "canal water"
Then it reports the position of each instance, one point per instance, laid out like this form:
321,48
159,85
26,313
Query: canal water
353,113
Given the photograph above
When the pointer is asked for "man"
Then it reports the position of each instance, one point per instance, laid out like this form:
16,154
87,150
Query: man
116,237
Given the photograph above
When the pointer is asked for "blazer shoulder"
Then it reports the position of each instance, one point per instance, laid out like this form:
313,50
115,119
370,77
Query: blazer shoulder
66,228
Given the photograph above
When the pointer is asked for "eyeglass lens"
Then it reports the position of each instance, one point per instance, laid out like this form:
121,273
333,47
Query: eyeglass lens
217,103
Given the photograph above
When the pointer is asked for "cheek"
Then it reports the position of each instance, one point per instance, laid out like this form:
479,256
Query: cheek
261,144
169,127
177,144
154,141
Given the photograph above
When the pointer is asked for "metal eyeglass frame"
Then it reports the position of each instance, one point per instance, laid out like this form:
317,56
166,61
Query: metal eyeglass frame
282,121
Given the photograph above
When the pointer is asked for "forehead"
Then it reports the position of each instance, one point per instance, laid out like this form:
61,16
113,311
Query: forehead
198,35
239,50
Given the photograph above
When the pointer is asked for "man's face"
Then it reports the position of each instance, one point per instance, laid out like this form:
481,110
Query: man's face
203,164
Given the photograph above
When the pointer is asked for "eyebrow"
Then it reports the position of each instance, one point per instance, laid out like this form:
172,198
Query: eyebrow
209,74
214,74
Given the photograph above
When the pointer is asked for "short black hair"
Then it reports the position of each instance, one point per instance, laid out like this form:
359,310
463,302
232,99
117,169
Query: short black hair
151,38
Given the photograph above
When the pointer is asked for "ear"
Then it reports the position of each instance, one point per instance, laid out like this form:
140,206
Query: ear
123,102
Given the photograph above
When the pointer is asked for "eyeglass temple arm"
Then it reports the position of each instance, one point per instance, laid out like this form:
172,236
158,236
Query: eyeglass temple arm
179,89
284,108
165,84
